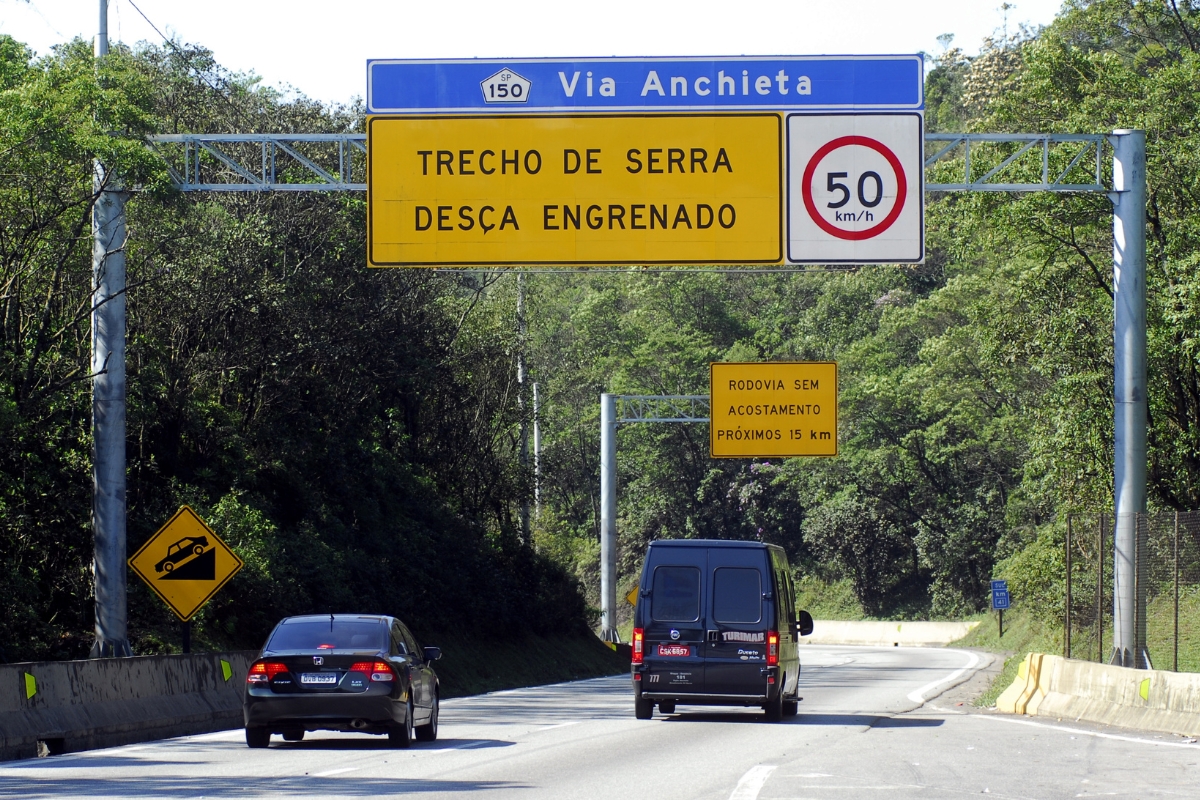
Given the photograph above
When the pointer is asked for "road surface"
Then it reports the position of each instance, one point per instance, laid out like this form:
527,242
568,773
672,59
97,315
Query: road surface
864,730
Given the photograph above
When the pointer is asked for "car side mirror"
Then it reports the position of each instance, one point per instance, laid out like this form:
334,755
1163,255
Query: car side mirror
433,653
804,626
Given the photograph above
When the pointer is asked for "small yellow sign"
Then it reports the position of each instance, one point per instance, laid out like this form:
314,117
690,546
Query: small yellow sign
632,597
575,189
774,409
185,563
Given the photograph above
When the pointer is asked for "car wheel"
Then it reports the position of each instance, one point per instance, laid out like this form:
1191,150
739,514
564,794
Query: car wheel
667,708
198,549
428,731
774,708
791,708
293,736
643,709
258,737
168,566
402,735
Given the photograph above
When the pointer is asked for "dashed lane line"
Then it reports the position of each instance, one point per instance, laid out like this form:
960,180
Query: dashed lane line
752,782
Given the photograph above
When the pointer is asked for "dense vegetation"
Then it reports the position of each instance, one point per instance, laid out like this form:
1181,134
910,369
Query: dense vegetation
976,390
356,434
350,433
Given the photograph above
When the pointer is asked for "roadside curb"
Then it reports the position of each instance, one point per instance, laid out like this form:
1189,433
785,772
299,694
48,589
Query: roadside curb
1052,686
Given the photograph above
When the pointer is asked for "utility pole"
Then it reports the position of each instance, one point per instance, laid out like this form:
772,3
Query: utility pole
1129,394
537,455
108,400
521,404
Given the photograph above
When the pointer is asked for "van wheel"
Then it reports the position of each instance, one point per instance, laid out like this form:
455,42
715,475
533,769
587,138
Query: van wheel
667,708
791,708
293,735
774,708
643,709
258,737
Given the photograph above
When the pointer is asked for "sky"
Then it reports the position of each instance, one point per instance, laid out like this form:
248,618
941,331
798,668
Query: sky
321,48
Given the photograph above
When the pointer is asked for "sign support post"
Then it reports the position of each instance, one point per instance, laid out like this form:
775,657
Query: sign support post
608,517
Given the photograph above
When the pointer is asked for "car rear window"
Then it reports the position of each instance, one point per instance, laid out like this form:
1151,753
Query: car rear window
676,594
320,635
737,595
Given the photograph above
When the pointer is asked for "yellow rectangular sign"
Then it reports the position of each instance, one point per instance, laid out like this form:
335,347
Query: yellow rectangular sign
574,189
773,409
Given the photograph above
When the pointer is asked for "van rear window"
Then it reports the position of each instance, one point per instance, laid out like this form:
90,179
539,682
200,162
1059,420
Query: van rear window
737,595
676,594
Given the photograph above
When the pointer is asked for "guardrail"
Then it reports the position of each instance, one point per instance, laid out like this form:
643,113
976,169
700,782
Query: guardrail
52,707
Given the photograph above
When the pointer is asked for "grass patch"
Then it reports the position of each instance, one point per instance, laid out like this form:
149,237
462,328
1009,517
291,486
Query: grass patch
832,600
1023,633
476,667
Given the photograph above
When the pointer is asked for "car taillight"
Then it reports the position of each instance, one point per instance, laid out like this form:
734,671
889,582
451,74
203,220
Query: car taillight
264,671
639,636
378,670
772,648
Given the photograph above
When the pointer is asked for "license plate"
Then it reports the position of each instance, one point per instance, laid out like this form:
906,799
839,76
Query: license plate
674,650
318,678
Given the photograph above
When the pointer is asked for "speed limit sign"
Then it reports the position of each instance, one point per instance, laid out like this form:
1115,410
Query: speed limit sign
854,188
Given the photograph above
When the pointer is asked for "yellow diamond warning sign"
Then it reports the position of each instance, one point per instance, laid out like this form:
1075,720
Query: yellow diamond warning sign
185,563
778,409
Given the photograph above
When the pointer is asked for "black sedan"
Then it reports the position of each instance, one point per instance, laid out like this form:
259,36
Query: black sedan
342,672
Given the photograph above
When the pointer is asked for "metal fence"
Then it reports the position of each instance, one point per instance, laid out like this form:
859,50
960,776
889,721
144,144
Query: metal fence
1167,569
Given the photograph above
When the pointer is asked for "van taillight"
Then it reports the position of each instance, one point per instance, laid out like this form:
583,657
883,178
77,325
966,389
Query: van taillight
264,671
772,648
639,636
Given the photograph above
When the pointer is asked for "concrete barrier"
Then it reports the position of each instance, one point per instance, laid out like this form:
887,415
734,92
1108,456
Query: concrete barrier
63,706
881,633
1052,686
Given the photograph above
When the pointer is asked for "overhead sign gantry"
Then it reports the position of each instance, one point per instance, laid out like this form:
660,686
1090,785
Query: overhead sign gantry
651,161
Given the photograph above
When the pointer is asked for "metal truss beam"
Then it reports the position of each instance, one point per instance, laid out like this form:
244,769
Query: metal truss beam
662,408
336,162
1018,162
264,162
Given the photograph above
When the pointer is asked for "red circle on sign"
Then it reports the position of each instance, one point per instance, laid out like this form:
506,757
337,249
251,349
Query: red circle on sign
878,147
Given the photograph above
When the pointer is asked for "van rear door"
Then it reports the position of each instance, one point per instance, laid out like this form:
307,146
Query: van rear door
738,619
674,627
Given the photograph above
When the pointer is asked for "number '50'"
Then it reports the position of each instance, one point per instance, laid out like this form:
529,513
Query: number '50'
833,185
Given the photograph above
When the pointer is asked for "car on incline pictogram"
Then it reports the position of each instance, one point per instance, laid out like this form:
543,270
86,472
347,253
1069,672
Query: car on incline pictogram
342,672
180,551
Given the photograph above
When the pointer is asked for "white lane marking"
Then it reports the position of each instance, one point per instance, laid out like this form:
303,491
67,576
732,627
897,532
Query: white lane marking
752,782
559,725
918,696
329,772
1083,732
467,746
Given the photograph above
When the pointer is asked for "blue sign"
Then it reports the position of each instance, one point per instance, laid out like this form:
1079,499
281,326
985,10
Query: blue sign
738,83
1000,596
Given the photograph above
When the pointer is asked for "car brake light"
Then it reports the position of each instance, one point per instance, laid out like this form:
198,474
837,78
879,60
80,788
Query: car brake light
639,636
378,670
772,648
264,671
